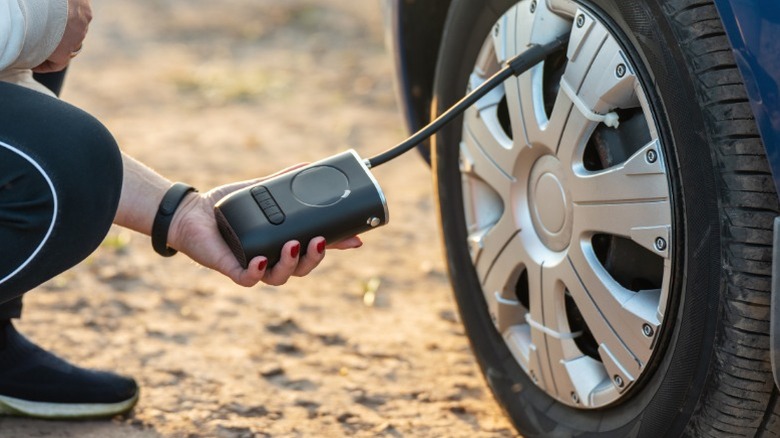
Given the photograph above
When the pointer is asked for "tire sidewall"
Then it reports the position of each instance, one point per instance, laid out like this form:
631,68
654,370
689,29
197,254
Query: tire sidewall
665,398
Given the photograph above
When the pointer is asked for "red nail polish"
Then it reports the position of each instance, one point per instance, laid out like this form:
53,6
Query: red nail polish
321,247
263,263
295,250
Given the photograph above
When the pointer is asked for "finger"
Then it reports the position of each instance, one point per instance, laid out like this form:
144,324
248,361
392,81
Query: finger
42,68
285,170
314,255
285,267
49,67
60,58
222,191
348,243
254,272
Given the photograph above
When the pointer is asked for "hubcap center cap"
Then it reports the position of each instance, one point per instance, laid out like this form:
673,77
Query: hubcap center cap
552,208
550,203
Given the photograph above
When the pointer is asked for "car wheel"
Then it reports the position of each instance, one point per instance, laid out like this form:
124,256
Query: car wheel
607,219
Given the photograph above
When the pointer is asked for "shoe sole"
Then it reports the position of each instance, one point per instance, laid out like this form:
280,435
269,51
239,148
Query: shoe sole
19,407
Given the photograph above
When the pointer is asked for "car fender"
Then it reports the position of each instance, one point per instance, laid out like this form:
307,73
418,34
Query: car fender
753,28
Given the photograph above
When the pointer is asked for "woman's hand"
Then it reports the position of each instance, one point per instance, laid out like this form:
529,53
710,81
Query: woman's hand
79,16
194,232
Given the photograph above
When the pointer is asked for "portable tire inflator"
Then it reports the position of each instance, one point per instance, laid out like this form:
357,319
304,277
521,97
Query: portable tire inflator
337,197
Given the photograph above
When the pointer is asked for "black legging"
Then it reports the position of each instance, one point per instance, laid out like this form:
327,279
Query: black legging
60,180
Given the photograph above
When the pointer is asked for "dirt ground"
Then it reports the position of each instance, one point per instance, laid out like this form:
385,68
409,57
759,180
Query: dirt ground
368,345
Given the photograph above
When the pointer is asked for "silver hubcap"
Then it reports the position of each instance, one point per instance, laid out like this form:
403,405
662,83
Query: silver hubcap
570,239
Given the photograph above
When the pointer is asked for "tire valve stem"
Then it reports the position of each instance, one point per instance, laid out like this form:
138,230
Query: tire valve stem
647,330
660,243
533,6
575,398
618,381
580,20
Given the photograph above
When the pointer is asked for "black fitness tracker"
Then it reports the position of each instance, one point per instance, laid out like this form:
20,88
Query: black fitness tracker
162,221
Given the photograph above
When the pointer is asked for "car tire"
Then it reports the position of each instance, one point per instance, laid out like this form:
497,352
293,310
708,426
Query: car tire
709,373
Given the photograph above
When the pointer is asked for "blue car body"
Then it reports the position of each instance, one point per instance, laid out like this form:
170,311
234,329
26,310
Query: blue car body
753,27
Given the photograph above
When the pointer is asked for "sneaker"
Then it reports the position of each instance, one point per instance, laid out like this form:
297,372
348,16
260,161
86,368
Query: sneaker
36,383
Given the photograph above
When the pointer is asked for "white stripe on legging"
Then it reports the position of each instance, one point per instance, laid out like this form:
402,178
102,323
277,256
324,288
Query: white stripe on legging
53,216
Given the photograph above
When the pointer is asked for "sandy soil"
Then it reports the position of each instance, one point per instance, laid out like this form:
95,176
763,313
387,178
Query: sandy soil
368,345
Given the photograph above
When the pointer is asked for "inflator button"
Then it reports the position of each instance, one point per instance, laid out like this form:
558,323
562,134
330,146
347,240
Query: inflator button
320,186
268,205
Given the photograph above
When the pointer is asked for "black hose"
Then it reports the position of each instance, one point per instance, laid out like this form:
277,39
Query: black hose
514,67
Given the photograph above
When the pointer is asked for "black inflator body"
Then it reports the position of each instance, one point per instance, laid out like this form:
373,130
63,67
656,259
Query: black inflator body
336,198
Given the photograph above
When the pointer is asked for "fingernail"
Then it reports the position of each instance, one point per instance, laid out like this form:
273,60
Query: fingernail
321,247
295,250
263,263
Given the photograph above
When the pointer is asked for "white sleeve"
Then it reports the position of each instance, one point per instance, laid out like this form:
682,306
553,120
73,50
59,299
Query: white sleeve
30,30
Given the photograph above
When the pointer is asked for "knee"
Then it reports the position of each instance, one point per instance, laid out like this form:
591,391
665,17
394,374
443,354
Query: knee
73,147
91,190
82,160
92,152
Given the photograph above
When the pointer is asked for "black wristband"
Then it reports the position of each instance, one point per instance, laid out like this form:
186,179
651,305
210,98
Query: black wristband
162,222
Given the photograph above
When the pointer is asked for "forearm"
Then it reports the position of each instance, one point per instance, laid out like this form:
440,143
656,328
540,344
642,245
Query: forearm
142,191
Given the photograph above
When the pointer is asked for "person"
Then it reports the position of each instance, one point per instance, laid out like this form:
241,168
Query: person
63,182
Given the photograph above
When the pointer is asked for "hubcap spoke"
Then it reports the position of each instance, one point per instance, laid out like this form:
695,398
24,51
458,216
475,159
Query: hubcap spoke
607,83
492,244
525,98
595,300
501,281
485,129
476,163
625,311
646,223
488,187
576,130
642,178
512,318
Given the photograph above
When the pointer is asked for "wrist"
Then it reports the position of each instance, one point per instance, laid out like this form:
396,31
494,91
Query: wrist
177,235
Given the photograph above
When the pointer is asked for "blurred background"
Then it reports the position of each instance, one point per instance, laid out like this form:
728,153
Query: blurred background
368,345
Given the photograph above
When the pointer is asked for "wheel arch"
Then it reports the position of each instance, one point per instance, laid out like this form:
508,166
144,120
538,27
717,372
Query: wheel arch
414,33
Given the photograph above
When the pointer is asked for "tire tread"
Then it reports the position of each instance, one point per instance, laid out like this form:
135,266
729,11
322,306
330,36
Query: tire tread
741,399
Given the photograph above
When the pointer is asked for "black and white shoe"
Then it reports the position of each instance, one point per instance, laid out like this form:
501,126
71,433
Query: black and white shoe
36,383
